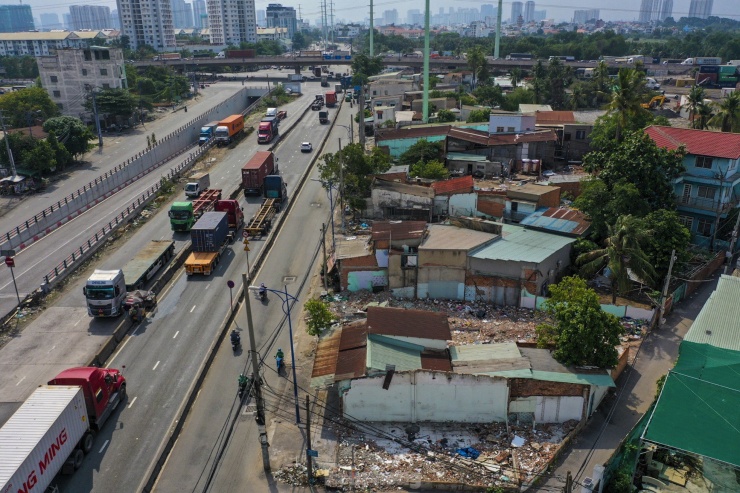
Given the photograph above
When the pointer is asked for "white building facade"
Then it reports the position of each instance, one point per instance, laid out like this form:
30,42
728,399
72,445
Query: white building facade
147,22
232,21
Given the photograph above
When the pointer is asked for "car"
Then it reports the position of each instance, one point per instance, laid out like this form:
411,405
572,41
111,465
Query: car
306,147
548,173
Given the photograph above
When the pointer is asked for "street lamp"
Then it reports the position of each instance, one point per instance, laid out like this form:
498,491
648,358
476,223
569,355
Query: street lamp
95,112
286,310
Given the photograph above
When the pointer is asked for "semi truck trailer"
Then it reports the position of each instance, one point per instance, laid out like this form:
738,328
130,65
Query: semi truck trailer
210,237
228,129
255,171
184,214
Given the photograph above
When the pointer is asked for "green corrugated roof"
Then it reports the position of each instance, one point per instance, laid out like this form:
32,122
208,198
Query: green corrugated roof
597,379
697,408
382,351
519,244
718,322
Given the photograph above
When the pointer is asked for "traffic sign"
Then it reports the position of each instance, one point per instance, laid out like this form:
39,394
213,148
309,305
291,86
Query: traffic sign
312,453
245,234
7,253
230,283
10,261
246,248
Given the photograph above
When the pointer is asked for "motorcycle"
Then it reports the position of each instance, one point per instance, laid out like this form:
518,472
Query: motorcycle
279,362
263,294
236,341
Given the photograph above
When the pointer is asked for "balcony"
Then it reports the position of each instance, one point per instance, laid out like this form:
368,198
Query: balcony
705,204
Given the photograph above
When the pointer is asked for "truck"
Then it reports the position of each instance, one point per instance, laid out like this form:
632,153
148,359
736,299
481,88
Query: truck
184,214
207,132
55,427
309,53
323,117
271,112
234,214
275,188
317,71
255,171
268,130
317,104
210,237
240,53
196,184
105,290
261,222
282,115
296,77
338,88
168,56
228,129
703,60
324,81
346,81
331,99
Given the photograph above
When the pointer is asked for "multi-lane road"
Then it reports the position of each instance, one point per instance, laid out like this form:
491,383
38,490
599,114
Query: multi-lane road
162,355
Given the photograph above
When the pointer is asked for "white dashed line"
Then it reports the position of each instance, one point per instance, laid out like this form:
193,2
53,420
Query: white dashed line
155,366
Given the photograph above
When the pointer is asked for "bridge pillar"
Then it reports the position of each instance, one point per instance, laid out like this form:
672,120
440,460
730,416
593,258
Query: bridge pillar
297,69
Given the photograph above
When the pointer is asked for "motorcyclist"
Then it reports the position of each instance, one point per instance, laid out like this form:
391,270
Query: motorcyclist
243,380
263,289
235,337
280,354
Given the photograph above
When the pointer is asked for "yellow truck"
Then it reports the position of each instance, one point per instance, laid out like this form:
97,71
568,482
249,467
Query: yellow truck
210,236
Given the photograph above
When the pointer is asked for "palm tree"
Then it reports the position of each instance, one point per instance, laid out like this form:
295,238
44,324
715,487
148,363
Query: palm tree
694,99
476,61
621,252
728,115
627,98
705,113
516,75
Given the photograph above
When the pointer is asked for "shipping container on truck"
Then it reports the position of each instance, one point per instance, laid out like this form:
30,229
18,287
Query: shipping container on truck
324,81
703,60
184,214
331,99
234,214
229,128
207,132
255,171
275,188
55,427
105,290
267,130
210,238
240,53
309,53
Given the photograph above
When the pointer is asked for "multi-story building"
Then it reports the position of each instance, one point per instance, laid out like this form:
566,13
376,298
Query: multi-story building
182,14
390,17
709,188
517,9
278,16
529,11
16,18
272,33
115,21
232,21
70,75
147,22
666,10
584,16
47,43
646,11
700,8
50,21
261,18
655,10
200,14
414,17
89,17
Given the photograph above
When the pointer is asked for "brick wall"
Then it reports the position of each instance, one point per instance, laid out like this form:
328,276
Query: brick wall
527,387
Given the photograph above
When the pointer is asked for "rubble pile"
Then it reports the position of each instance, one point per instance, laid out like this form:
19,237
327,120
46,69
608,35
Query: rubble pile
293,474
474,454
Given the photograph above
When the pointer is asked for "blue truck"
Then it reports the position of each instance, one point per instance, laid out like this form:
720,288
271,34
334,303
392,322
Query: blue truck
206,132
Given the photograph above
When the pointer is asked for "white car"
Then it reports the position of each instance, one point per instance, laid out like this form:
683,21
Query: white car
548,173
306,147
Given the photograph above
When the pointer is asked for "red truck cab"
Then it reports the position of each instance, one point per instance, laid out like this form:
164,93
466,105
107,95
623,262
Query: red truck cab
234,213
103,388
268,130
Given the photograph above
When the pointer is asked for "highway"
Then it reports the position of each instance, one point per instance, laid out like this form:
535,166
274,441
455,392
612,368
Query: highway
162,355
291,263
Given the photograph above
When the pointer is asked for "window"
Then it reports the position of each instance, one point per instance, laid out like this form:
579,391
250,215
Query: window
580,135
57,94
686,221
103,71
54,78
566,137
706,192
106,86
84,71
499,129
704,227
704,162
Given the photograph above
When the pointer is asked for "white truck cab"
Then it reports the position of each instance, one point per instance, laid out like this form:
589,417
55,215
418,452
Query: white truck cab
105,292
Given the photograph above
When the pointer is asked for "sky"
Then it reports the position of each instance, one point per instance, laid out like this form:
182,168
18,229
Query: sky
348,10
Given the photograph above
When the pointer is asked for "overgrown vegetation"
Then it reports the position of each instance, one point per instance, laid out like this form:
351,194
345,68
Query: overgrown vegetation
358,171
319,316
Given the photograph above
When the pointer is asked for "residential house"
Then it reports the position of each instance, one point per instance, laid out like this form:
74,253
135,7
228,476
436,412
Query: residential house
500,122
392,199
574,139
389,87
455,197
383,115
443,261
518,259
356,264
47,43
695,421
709,188
558,220
396,245
523,200
460,163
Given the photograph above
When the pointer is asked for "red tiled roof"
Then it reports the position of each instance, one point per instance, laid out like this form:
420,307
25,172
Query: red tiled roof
554,117
697,142
398,230
461,184
364,261
408,323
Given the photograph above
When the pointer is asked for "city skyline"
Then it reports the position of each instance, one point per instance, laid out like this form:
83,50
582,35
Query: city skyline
345,10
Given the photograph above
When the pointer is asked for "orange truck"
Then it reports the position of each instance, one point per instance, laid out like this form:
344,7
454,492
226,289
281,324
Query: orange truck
228,129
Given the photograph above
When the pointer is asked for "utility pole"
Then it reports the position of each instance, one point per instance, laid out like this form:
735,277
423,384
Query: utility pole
256,379
732,245
425,101
326,263
331,4
7,145
341,187
361,117
309,460
97,120
372,29
568,483
664,294
498,29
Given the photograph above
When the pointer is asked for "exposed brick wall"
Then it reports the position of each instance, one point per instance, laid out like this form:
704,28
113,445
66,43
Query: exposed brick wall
550,199
571,187
527,387
491,203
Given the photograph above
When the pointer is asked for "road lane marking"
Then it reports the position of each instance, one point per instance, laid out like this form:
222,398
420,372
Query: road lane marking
155,366
132,402
50,350
174,336
208,286
191,310
103,447
19,381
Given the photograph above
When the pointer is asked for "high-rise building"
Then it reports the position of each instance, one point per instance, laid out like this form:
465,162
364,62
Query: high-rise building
584,16
115,22
390,17
655,10
700,8
414,17
261,18
49,21
529,11
16,18
646,11
89,17
200,15
487,10
147,22
67,21
182,14
232,21
666,10
278,16
540,15
517,9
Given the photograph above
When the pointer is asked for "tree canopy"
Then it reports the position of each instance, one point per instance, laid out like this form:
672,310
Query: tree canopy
17,106
429,169
422,151
72,133
358,169
113,102
582,333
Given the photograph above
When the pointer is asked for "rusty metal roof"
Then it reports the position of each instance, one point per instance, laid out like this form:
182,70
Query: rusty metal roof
436,360
408,323
325,361
558,219
554,117
354,335
484,138
398,230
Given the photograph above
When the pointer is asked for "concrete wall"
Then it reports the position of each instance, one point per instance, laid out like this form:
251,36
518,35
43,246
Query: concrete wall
519,123
459,204
428,396
366,280
388,198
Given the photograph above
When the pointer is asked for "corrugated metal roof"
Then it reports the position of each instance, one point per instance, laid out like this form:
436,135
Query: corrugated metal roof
718,322
444,237
484,138
436,360
598,380
530,191
561,219
420,324
325,361
352,351
416,190
534,108
459,184
353,246
463,156
476,352
398,230
697,142
384,351
354,335
519,244
555,117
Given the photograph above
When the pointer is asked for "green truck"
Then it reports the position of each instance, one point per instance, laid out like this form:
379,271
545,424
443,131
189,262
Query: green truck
184,214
